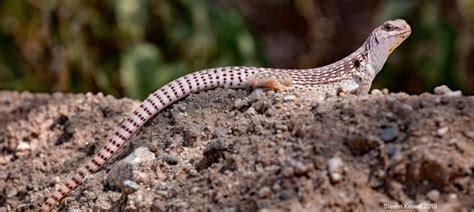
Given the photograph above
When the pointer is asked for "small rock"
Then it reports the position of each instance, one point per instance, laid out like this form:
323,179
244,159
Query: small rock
335,168
230,209
375,182
446,91
376,92
281,127
441,131
391,98
127,168
170,159
22,146
454,94
240,103
389,134
5,159
452,196
256,95
385,91
433,195
191,135
452,141
442,90
181,107
285,194
288,172
11,192
195,190
221,132
289,98
251,111
301,169
264,192
130,186
55,180
394,152
216,146
276,187
470,134
407,107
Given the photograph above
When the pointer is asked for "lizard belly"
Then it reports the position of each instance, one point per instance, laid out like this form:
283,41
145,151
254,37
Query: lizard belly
332,89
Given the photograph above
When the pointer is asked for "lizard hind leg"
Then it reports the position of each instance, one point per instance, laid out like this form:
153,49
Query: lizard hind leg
276,82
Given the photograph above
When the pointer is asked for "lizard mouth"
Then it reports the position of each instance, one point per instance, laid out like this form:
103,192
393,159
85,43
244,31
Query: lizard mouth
402,35
407,32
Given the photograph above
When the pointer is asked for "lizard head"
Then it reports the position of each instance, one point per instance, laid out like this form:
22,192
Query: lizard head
384,39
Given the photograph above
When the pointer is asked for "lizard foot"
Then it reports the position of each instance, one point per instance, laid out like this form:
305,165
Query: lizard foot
271,81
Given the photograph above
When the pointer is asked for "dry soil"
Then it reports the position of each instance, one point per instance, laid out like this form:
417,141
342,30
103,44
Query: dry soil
238,150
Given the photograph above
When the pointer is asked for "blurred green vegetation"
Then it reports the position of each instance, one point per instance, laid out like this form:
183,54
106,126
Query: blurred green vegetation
132,47
123,47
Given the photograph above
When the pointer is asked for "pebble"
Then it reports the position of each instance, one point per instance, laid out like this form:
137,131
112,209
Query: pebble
5,159
452,196
335,168
216,146
301,169
239,103
276,187
375,182
446,91
289,98
394,152
191,135
288,171
264,192
130,186
22,146
281,127
11,192
433,195
126,169
170,159
221,132
256,95
391,98
441,131
441,90
470,134
407,107
181,107
389,134
376,92
454,94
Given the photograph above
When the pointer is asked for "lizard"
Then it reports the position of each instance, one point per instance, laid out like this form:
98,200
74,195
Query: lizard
351,75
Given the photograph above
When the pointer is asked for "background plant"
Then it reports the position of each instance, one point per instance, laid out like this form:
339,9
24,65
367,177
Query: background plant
132,47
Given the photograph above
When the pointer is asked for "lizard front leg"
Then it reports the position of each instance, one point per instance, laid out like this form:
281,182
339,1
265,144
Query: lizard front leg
276,82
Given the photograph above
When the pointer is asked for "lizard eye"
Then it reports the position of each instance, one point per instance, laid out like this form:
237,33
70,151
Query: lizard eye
388,27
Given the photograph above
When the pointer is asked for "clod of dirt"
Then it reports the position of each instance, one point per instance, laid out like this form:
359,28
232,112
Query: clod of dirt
126,171
236,150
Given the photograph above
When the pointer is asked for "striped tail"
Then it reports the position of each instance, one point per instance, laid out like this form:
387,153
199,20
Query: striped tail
234,77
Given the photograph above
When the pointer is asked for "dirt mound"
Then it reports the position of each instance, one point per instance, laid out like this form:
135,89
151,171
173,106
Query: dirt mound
237,150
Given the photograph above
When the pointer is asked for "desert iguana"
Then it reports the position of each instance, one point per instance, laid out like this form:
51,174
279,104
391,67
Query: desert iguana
351,75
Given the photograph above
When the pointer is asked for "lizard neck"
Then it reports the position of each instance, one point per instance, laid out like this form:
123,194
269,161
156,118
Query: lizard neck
377,54
356,61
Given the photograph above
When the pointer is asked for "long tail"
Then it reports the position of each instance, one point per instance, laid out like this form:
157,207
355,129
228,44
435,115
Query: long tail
235,77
